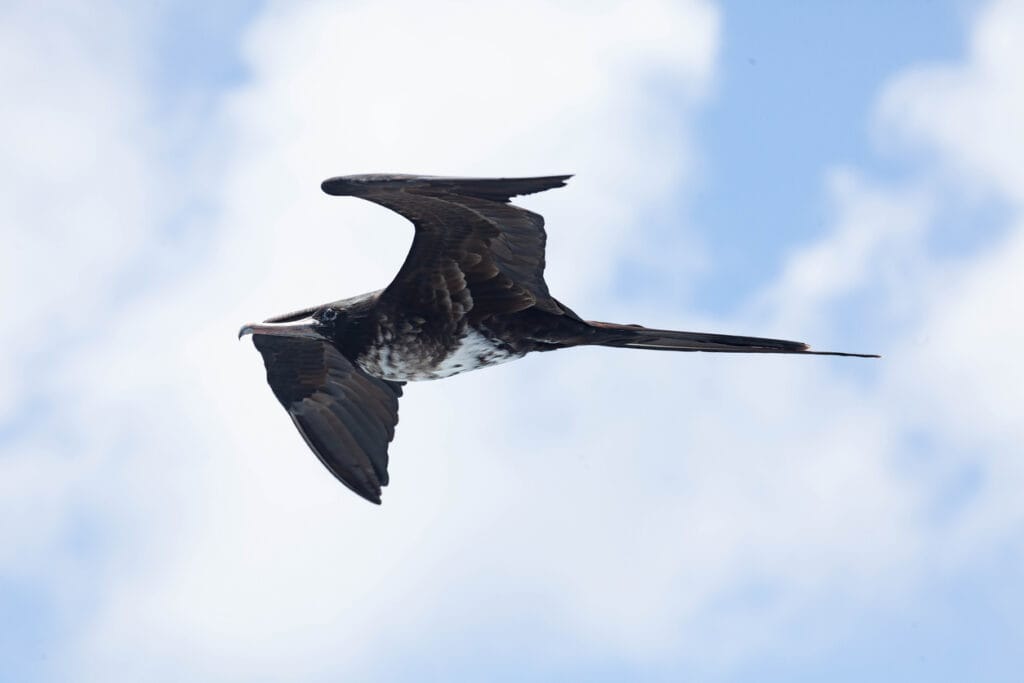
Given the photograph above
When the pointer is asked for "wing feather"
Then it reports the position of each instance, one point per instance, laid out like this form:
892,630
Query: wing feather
473,253
346,417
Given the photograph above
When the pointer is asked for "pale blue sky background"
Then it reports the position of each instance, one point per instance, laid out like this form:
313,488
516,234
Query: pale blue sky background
848,174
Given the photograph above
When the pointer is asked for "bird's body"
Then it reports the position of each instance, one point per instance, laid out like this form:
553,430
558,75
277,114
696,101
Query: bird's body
470,294
400,346
397,344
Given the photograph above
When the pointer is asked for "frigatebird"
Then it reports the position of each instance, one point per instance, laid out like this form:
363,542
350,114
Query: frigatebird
471,293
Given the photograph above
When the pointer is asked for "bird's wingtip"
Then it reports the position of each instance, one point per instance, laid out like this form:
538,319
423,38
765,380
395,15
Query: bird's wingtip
335,186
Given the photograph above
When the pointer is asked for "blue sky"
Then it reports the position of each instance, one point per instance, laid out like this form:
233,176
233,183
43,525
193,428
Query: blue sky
795,93
847,174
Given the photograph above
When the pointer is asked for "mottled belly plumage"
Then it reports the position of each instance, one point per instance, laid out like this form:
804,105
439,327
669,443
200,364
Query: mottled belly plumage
413,356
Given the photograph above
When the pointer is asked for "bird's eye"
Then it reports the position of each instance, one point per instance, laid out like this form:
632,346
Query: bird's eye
328,314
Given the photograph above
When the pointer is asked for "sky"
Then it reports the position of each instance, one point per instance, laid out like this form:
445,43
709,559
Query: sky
846,174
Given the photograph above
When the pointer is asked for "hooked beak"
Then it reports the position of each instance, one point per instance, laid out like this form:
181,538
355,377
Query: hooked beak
295,329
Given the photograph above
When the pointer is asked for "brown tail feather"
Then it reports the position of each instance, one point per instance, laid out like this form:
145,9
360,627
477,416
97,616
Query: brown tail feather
637,337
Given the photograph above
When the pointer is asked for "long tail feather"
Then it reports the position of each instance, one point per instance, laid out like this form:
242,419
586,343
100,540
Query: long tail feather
637,337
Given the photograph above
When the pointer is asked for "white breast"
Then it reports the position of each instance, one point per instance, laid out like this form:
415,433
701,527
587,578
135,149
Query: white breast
399,362
474,351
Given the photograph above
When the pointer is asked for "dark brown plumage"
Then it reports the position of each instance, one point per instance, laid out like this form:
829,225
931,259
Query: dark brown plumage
471,293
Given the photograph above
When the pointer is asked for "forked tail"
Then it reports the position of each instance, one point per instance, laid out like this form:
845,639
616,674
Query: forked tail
637,337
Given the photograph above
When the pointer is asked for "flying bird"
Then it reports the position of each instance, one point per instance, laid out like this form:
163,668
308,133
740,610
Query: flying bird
471,293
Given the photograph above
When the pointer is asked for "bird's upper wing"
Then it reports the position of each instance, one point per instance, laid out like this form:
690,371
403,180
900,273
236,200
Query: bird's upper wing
347,417
473,252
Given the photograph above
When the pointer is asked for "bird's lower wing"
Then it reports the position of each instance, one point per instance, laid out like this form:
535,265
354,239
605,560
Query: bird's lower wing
346,417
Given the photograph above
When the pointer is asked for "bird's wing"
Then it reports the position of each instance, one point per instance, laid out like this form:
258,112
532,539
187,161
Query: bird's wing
346,416
473,252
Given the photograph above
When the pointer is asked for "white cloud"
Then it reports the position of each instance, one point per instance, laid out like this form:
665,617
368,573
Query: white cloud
78,201
951,369
969,114
953,319
627,503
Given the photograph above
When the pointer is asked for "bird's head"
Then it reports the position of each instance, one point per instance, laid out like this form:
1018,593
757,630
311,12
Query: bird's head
332,322
303,328
321,323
